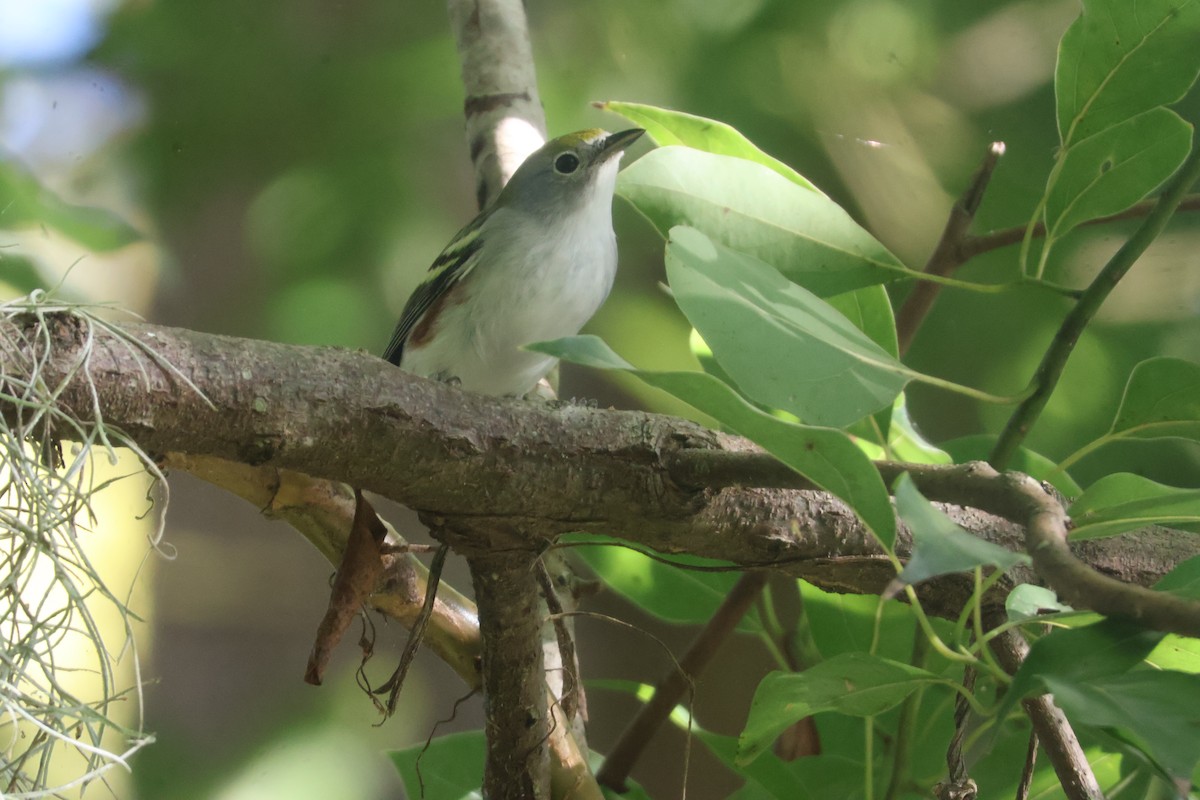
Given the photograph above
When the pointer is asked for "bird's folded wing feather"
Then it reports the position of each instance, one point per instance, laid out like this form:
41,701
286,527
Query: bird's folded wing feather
451,266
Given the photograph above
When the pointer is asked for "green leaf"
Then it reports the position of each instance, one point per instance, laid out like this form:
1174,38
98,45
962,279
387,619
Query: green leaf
857,684
672,593
1027,601
1156,711
1113,169
1162,399
1180,653
817,777
811,778
451,769
1124,502
907,443
903,441
1121,58
747,207
940,546
25,202
842,623
783,345
1035,465
1112,646
669,127
826,457
1184,580
870,310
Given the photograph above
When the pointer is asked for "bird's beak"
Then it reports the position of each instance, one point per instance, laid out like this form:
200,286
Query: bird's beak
615,143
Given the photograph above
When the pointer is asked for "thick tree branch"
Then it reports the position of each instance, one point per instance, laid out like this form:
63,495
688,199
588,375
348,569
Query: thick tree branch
514,691
322,511
505,124
550,469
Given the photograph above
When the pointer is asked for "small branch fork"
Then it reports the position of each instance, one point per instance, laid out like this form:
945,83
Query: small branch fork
957,245
950,252
1055,361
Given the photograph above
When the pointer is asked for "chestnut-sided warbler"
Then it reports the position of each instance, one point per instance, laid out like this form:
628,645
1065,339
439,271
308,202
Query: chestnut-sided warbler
534,265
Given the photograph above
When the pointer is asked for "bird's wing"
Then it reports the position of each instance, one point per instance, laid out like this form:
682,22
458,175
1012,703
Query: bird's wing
451,266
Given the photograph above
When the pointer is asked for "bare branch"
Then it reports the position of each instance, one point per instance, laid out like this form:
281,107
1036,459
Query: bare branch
946,256
322,511
671,688
505,121
1051,727
514,682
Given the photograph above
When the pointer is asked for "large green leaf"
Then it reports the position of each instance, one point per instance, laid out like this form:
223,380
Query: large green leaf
842,623
811,778
1179,652
450,769
754,210
907,443
819,777
1183,580
1155,710
781,344
940,546
1123,57
669,127
870,309
1162,399
825,456
1109,647
1119,65
24,202
857,684
1113,169
1124,502
673,593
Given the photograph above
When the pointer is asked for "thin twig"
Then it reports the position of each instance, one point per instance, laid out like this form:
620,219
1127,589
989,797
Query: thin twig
946,256
671,688
393,684
1050,370
958,783
957,245
1030,763
906,726
571,686
972,246
1057,739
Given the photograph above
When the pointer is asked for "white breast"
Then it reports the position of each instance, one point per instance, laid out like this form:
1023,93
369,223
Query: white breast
564,276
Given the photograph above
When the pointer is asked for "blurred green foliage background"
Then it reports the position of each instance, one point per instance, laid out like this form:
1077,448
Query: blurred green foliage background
295,165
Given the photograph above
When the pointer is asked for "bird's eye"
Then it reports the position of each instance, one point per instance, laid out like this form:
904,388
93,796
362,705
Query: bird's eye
566,163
